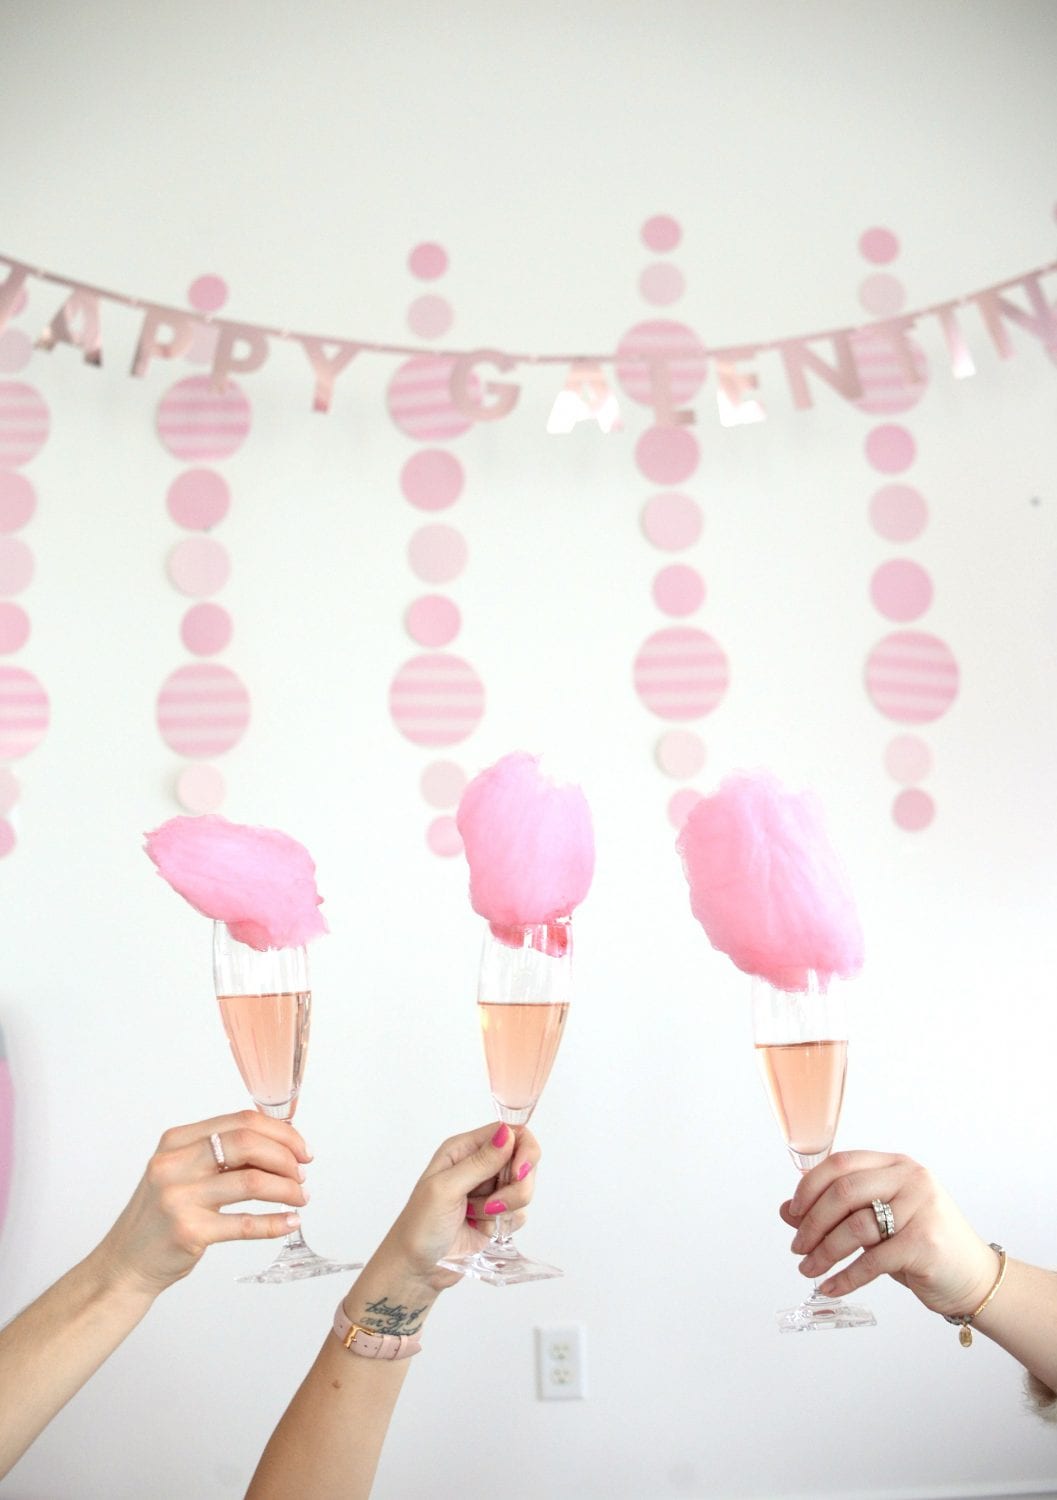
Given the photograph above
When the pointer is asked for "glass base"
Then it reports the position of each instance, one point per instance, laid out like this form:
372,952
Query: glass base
824,1312
298,1263
500,1265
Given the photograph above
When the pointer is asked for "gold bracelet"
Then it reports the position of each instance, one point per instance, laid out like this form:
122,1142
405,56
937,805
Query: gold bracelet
966,1335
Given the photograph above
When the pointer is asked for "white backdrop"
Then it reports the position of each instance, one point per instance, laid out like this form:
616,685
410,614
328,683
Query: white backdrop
301,151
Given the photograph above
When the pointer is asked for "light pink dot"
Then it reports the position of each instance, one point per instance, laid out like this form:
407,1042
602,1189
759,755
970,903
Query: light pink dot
203,346
680,753
436,699
198,566
901,590
7,838
200,789
203,709
442,783
430,317
419,399
681,673
676,345
886,391
437,554
16,565
17,500
206,629
661,233
890,448
912,677
907,758
24,423
662,284
14,628
16,350
207,294
913,810
432,620
20,303
9,790
883,295
681,804
667,455
432,479
24,712
428,261
898,513
878,246
678,590
198,424
444,838
672,521
198,499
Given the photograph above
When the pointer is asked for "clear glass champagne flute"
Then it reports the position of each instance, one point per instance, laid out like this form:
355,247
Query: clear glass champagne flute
801,1038
265,1005
523,993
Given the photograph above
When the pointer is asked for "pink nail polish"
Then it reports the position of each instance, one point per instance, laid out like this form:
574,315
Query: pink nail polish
523,1171
500,1137
495,1206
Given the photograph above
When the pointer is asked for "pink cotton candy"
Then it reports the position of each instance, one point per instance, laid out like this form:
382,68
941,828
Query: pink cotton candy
767,887
260,882
528,842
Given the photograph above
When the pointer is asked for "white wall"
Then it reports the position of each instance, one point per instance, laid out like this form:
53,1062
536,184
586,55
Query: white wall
301,151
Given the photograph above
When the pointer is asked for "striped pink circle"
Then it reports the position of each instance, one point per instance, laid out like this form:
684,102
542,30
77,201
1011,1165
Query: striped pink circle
16,565
912,677
200,788
662,284
442,783
661,233
675,343
436,699
24,423
14,628
681,673
672,521
203,709
432,479
197,423
18,500
901,590
433,620
198,566
24,712
443,837
885,392
420,401
913,810
678,590
206,629
9,790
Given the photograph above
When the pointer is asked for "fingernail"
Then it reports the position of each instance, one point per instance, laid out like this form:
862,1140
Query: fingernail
302,1173
797,1244
500,1137
305,1194
292,1221
826,1287
308,1150
495,1206
523,1171
471,1217
807,1265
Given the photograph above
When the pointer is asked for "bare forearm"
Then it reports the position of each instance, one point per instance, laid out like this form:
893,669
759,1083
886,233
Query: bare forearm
1023,1319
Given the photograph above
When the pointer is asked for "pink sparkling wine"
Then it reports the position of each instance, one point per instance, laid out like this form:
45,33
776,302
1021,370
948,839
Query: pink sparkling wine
805,1081
269,1039
520,1043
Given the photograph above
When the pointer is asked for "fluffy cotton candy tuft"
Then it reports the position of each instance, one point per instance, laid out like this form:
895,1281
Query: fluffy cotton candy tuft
767,887
258,881
528,842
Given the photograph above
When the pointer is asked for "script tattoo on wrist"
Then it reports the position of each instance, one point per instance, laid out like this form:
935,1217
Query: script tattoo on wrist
384,1317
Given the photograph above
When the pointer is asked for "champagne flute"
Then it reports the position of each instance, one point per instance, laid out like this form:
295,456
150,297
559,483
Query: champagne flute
801,1039
522,1003
265,1005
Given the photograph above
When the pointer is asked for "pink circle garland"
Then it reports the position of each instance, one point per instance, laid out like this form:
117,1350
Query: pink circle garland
18,500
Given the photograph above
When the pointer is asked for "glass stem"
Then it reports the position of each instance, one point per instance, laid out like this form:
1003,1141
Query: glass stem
295,1240
501,1235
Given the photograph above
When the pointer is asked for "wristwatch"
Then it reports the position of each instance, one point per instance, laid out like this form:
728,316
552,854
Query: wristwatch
369,1343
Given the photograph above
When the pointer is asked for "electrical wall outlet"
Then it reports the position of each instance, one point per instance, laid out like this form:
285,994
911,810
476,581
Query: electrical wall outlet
560,1369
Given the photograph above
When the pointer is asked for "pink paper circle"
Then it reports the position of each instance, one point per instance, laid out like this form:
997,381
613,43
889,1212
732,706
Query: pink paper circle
207,294
198,566
200,789
16,350
661,233
198,424
681,673
680,348
428,261
442,783
882,294
898,513
908,758
678,590
419,400
206,629
430,317
672,521
24,423
885,391
436,700
437,553
14,628
203,709
890,448
901,590
680,753
16,565
24,712
432,479
18,500
20,303
878,246
432,620
7,838
912,677
913,810
681,804
662,284
444,838
203,346
667,455
198,499
9,790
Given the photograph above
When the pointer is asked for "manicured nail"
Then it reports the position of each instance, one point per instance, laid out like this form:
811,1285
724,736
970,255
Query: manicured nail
500,1137
305,1194
523,1171
797,1244
292,1221
495,1206
302,1173
471,1212
826,1287
808,1265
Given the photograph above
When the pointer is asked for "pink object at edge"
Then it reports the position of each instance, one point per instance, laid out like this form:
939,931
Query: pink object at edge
767,887
258,881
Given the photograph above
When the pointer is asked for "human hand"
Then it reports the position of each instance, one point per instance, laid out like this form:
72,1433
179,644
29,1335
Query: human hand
175,1212
933,1250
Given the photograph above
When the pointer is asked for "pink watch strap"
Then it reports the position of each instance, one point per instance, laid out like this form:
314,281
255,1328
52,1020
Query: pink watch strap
360,1340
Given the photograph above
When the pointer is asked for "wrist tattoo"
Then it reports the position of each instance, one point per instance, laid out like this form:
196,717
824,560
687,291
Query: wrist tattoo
383,1317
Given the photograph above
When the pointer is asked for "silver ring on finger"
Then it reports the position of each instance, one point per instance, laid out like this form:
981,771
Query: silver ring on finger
886,1223
218,1152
